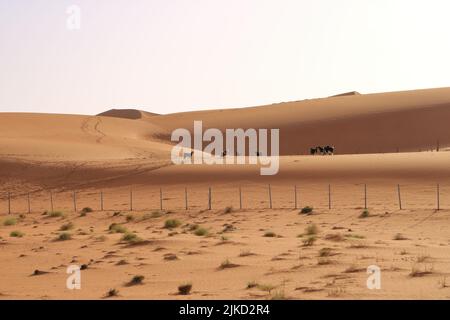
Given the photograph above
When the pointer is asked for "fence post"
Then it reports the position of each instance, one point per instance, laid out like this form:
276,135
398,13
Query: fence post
209,198
399,197
51,200
186,198
240,198
365,196
101,200
160,199
74,201
329,196
270,197
29,204
131,199
438,197
9,202
295,197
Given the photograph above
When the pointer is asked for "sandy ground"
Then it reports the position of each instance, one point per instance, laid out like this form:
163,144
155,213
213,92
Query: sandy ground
118,163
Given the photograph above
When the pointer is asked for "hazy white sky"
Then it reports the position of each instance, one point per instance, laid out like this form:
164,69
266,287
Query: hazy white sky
177,55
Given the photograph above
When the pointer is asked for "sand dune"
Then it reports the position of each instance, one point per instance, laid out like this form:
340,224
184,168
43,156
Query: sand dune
127,114
372,123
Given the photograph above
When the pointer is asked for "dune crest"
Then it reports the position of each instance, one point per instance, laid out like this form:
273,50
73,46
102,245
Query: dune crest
127,114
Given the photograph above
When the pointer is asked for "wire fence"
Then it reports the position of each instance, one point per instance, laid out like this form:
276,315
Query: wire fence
248,196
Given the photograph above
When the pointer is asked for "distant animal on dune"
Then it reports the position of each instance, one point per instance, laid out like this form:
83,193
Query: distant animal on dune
327,150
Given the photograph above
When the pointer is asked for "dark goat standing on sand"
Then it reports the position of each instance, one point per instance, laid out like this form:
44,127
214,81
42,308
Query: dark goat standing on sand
322,150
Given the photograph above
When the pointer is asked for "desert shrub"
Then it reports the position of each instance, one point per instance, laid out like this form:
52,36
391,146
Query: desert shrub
355,236
336,237
336,292
324,261
417,272
117,228
121,262
201,232
136,280
55,214
131,237
309,241
352,269
16,234
172,223
325,252
129,218
156,214
228,210
67,226
252,284
112,293
278,295
266,287
358,245
270,234
227,264
311,230
307,210
246,253
193,227
184,289
86,210
364,214
400,237
10,222
63,236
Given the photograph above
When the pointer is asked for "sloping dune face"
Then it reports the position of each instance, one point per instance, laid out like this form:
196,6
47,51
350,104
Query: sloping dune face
73,137
372,123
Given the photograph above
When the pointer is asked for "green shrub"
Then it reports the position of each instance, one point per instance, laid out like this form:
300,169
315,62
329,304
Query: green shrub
156,214
201,232
364,214
131,237
16,234
55,214
117,228
325,252
172,223
10,222
307,210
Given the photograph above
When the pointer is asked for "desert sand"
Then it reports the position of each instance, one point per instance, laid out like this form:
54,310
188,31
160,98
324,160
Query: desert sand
120,161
